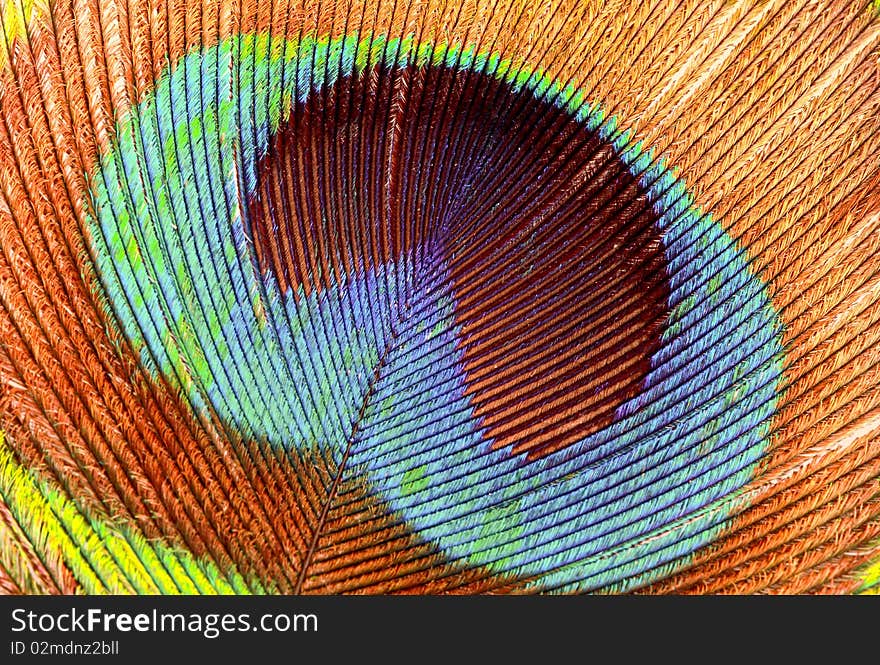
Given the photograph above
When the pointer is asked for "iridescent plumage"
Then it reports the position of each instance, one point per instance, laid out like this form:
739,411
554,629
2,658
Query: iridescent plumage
443,297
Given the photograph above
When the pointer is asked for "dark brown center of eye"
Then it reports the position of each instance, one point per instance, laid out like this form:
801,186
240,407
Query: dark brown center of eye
527,219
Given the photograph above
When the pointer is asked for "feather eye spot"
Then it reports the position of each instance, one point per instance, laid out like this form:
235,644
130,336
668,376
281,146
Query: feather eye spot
478,298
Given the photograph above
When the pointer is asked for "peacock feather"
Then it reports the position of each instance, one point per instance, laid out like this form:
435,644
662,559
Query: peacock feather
439,296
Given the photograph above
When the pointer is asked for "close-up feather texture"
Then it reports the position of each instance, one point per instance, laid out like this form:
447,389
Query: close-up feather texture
439,296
